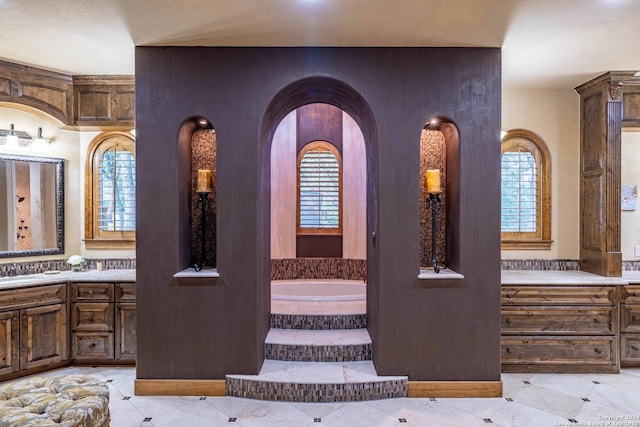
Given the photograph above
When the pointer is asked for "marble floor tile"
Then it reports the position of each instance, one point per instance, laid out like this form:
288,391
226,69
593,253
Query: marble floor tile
511,385
402,407
520,415
594,414
625,401
576,385
623,381
438,414
549,400
480,408
318,410
359,414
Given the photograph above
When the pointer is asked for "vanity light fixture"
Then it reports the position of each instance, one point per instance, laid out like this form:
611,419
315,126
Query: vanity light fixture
16,138
40,141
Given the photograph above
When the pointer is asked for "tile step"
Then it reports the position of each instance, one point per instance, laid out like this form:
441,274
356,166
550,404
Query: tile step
318,346
315,337
317,382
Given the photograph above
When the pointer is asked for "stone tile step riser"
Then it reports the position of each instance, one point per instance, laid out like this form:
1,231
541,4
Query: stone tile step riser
298,392
318,322
322,353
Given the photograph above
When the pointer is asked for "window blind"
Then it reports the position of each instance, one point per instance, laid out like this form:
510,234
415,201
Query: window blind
319,191
519,191
117,191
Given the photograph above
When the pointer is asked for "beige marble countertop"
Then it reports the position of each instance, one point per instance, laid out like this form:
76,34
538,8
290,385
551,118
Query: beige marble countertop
68,276
566,277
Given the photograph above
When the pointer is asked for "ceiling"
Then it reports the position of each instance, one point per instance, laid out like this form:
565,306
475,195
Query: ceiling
545,43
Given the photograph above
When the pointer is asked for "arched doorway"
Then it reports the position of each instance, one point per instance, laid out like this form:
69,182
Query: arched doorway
318,195
335,94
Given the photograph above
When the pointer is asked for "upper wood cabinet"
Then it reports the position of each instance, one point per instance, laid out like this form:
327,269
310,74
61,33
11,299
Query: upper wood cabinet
101,101
79,102
631,102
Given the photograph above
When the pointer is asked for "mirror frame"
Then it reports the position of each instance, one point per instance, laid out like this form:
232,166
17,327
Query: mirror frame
59,249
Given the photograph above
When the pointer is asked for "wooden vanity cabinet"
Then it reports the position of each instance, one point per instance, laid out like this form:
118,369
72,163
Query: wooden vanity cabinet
92,321
103,322
33,329
125,322
560,328
630,327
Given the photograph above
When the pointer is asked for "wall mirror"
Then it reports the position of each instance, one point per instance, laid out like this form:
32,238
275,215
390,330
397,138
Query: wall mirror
31,206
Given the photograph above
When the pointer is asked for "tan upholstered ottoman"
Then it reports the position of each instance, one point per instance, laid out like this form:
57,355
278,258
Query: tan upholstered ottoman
64,400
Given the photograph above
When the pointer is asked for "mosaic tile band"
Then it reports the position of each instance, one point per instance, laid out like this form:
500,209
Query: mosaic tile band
315,322
293,392
36,267
318,268
318,353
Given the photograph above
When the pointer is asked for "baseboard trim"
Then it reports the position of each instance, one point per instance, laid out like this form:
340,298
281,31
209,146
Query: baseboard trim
455,388
156,387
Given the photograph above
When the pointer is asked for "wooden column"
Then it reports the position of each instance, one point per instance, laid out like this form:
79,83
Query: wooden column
600,140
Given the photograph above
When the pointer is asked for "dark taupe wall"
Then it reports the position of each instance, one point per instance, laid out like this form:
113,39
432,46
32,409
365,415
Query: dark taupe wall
435,330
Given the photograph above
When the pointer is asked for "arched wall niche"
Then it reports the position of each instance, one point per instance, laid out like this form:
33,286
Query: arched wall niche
318,90
197,149
439,149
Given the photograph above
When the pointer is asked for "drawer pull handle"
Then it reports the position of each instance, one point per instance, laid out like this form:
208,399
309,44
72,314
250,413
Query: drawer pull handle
597,350
595,320
92,345
635,348
598,296
509,295
508,321
508,350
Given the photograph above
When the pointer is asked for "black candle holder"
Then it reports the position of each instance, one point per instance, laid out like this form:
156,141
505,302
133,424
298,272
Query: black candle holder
435,202
204,202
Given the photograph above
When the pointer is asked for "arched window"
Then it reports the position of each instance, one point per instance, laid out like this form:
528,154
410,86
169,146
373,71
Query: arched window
319,189
526,191
110,192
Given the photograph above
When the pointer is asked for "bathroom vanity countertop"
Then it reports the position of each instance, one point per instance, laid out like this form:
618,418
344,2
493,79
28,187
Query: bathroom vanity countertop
565,277
68,276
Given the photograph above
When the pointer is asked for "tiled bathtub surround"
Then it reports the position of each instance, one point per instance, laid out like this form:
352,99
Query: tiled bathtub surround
318,268
540,264
35,267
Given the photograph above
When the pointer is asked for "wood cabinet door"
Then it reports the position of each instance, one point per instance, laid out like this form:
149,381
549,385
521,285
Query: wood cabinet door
92,316
43,336
9,333
126,331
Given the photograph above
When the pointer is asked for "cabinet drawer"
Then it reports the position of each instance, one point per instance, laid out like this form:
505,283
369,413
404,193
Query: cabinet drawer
633,294
558,295
558,320
630,318
92,345
92,292
558,350
630,348
32,297
92,316
126,292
